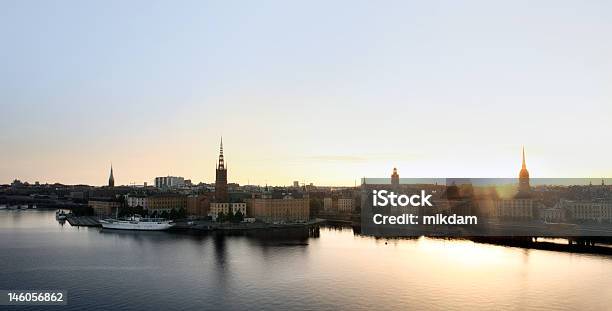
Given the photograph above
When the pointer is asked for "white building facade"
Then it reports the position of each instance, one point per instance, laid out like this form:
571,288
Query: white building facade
137,201
169,182
587,211
345,205
515,208
227,208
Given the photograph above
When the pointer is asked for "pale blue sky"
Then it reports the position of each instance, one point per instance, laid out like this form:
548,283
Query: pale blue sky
316,91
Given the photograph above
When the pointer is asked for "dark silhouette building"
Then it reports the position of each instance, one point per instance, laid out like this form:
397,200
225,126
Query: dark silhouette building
221,178
111,179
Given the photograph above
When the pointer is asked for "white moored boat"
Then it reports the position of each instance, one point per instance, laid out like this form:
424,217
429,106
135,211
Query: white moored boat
2,206
60,215
137,223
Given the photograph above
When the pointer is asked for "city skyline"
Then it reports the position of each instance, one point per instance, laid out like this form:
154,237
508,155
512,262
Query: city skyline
435,89
221,178
272,155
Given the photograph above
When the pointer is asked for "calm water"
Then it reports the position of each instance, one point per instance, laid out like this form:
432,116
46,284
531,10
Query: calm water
104,270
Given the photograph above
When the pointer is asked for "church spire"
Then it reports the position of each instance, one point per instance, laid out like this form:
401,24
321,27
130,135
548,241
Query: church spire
524,165
221,180
524,187
221,163
111,178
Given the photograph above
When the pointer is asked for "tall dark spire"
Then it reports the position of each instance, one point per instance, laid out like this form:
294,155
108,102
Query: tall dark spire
111,179
221,180
221,163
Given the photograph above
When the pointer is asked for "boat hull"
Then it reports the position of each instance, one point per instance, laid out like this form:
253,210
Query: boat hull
142,226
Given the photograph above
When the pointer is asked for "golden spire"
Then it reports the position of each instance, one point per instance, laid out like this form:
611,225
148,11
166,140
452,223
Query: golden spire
524,173
524,165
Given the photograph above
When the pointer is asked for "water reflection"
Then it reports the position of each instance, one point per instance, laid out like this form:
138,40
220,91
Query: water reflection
331,268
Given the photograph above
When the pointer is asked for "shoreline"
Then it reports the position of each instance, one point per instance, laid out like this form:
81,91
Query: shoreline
209,227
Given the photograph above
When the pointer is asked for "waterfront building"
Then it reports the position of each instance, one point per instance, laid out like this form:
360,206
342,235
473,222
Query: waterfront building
587,211
227,209
169,182
221,178
198,205
515,208
522,206
111,178
553,214
279,209
137,201
166,202
346,205
222,202
338,204
104,208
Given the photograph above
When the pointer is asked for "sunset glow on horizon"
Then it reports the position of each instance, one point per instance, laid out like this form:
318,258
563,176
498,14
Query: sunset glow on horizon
434,89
